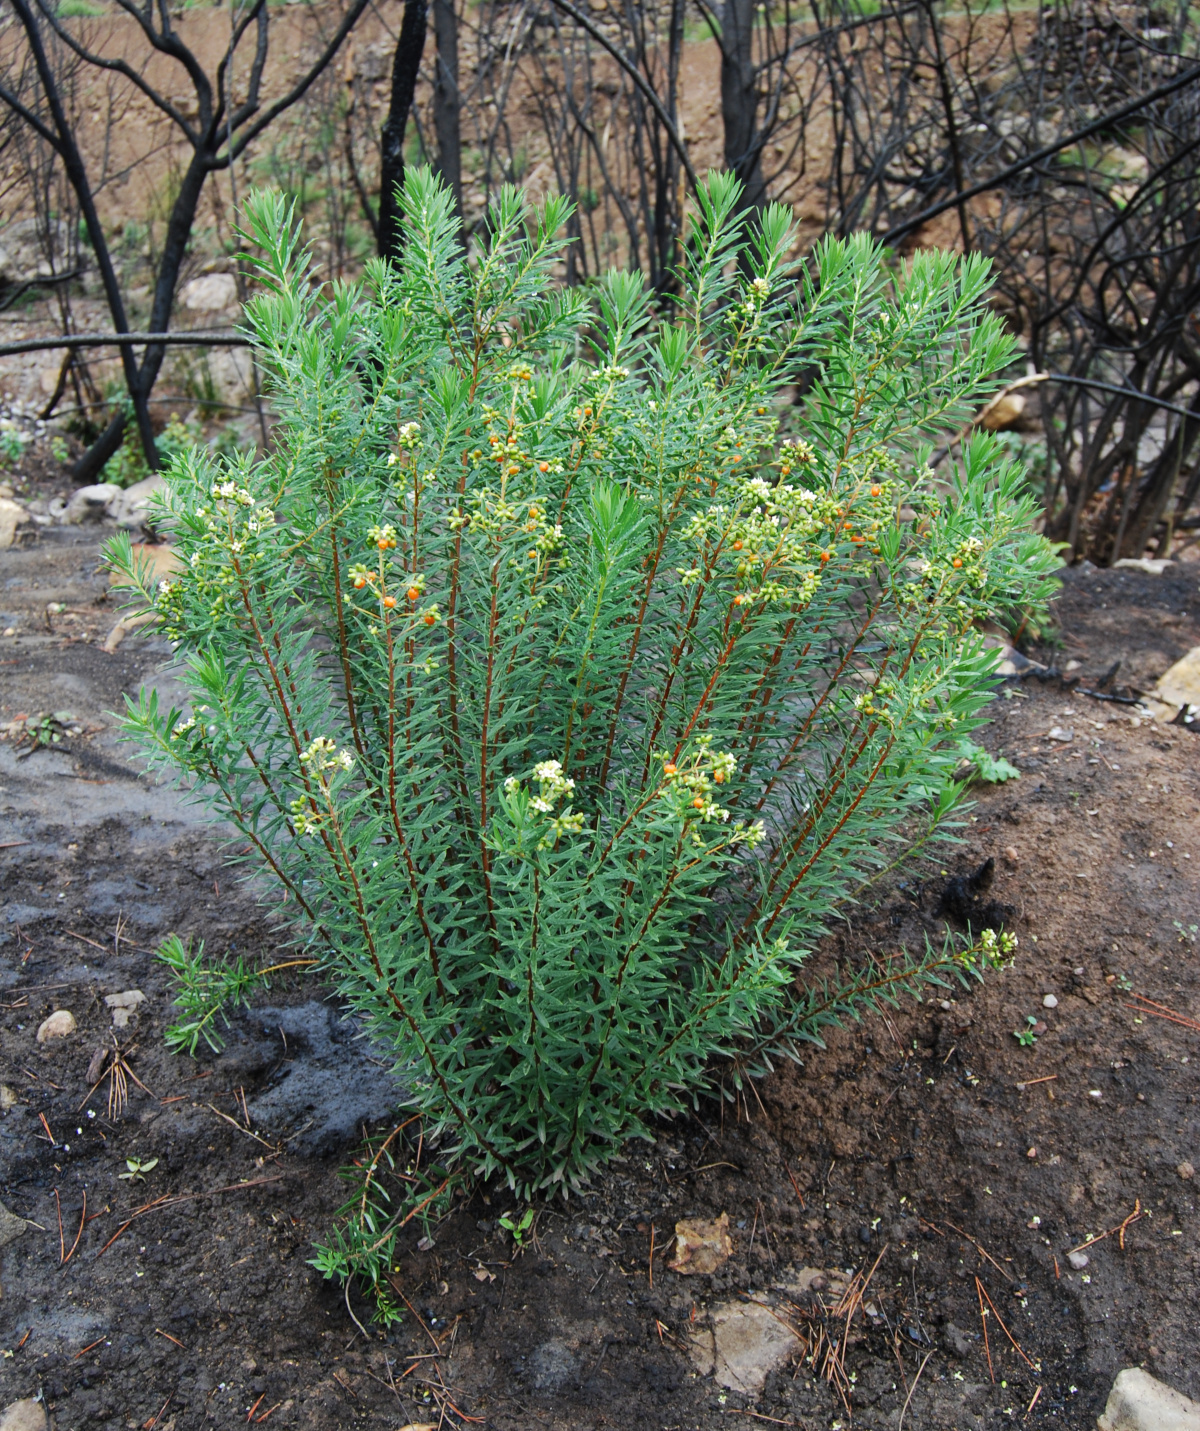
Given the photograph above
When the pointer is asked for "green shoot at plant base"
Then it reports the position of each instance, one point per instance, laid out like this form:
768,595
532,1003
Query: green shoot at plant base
205,990
561,694
991,769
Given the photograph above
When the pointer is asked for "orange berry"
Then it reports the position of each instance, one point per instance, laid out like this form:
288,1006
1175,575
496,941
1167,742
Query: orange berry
825,556
875,491
382,544
389,602
533,556
493,439
430,618
957,562
737,546
699,802
414,593
360,582
669,768
718,777
543,467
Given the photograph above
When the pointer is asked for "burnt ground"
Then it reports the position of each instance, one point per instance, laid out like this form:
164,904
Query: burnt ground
928,1145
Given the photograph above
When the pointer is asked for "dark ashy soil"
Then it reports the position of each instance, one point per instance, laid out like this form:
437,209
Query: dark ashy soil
929,1142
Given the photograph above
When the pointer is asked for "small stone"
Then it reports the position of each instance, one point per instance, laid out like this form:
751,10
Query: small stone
1095,1093
11,1226
1010,854
26,1415
1062,734
130,508
1186,1172
96,1066
701,1245
130,999
956,1341
1140,1402
1031,1154
89,504
60,1024
211,293
124,1005
1050,1002
1152,566
12,514
8,1098
1078,1260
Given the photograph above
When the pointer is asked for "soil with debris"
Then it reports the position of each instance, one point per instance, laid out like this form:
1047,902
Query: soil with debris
927,1176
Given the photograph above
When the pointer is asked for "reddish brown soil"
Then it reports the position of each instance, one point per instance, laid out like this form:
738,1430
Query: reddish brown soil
925,1136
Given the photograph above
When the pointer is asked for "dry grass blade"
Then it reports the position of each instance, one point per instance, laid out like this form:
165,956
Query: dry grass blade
983,1322
1119,1231
1016,1344
1161,1011
983,1252
825,1332
79,1234
119,1073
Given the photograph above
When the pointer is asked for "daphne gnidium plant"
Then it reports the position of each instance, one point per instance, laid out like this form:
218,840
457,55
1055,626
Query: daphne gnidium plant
560,694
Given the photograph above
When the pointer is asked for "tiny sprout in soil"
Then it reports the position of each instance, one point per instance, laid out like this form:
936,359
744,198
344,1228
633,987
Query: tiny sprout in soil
1026,1036
136,1169
520,1228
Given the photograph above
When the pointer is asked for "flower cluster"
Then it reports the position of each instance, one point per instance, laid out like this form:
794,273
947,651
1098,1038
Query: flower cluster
754,298
999,948
553,786
323,755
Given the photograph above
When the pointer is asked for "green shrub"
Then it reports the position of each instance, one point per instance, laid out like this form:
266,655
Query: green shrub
560,696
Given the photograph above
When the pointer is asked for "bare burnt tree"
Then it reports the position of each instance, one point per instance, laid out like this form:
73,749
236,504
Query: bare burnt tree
1098,258
228,111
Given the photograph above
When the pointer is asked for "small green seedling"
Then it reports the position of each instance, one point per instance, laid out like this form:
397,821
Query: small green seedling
1187,933
992,769
137,1170
1125,983
518,1229
1026,1036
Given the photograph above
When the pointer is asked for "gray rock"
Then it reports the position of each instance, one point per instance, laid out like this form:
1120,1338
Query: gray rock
124,1006
60,1024
32,249
11,1226
27,1415
88,504
744,1342
210,293
1186,1171
131,507
1078,1260
553,1366
12,514
955,1340
1138,1402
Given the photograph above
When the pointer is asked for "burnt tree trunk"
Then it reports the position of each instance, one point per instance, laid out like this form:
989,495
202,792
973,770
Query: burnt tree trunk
446,99
739,100
405,66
